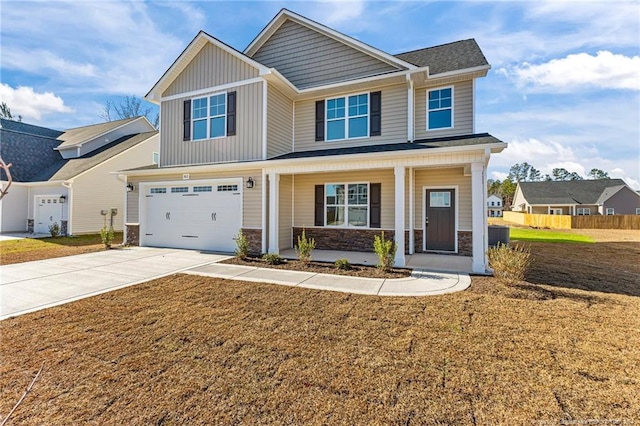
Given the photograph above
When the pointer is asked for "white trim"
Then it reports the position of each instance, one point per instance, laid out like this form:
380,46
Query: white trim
453,100
412,212
212,89
265,224
91,138
410,110
264,119
473,105
462,71
293,127
456,192
399,226
274,201
478,217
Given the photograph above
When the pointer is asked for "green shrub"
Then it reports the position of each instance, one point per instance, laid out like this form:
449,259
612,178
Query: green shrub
107,236
273,259
509,264
305,247
54,229
242,245
386,252
343,264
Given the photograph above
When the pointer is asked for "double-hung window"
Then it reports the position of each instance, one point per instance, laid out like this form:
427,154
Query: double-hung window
347,205
348,117
440,108
209,117
584,211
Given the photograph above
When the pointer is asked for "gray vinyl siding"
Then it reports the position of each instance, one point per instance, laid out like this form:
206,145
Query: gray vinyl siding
211,67
285,212
133,207
462,111
394,122
624,201
308,58
245,145
444,178
279,123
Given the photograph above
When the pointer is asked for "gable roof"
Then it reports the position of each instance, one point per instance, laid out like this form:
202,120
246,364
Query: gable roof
286,15
588,192
463,54
29,129
67,169
80,135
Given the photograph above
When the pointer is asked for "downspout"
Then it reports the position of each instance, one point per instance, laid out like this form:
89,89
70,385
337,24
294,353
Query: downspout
68,185
264,119
410,107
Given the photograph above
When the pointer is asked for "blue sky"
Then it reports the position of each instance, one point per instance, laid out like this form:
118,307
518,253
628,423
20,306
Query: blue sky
563,91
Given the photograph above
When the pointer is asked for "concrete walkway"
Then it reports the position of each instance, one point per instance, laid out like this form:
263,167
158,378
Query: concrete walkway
31,286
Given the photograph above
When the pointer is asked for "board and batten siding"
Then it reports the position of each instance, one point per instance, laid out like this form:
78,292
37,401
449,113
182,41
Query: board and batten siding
308,58
444,178
279,123
98,189
245,145
285,213
211,67
251,197
304,193
394,122
462,111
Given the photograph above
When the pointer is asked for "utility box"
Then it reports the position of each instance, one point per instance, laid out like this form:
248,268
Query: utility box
498,234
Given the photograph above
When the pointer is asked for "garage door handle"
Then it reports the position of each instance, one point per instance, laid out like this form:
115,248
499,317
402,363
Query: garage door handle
168,215
213,217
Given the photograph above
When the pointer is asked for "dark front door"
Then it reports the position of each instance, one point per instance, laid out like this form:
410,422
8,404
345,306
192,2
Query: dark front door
440,220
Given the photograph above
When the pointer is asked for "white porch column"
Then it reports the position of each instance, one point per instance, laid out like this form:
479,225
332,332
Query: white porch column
274,195
265,224
399,214
412,220
477,218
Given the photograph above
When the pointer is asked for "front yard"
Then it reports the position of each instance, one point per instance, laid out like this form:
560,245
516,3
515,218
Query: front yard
195,350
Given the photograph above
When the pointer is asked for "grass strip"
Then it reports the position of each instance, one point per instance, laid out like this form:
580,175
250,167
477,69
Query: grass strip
547,236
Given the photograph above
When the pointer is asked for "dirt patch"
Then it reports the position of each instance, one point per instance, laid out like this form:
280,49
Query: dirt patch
323,268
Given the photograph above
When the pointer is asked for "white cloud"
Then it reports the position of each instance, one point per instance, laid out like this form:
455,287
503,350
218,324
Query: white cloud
26,102
575,72
336,12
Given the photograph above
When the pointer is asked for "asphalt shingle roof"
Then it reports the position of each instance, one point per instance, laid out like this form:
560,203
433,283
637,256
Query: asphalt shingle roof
454,56
589,192
30,129
78,135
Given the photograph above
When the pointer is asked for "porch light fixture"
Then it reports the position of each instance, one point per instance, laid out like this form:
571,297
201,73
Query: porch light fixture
63,198
130,187
250,182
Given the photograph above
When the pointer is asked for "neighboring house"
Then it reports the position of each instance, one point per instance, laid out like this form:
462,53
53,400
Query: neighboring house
65,177
577,197
308,128
494,206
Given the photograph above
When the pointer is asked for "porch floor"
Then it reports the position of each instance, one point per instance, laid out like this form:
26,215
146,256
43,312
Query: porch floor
423,261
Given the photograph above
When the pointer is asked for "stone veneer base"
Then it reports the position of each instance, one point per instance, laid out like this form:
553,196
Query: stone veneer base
132,234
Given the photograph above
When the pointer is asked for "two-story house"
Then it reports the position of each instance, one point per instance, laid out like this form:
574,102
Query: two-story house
494,206
308,128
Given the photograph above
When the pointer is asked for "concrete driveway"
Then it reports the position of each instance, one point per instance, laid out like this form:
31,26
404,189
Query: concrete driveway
30,286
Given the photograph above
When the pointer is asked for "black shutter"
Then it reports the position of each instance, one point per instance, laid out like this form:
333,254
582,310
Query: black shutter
375,119
374,205
319,215
319,120
186,121
231,113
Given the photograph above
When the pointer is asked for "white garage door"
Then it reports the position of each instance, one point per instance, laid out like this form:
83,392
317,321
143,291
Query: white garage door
203,216
48,212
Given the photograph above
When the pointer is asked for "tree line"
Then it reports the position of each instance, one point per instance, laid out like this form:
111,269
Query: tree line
525,172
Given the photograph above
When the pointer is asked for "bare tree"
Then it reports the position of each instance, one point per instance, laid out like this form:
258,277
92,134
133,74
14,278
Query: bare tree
128,107
5,112
4,166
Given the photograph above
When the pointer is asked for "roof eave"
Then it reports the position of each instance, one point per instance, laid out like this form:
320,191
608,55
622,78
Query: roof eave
78,145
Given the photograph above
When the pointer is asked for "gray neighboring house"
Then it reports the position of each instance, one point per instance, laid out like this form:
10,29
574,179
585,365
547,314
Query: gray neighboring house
64,177
577,198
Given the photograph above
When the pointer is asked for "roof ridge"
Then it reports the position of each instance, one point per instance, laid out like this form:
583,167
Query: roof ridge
437,45
103,123
31,134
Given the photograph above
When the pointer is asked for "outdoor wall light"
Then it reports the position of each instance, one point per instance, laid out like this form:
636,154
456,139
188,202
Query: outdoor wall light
63,198
250,182
130,187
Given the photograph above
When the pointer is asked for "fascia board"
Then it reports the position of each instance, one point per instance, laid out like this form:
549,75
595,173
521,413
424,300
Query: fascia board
78,145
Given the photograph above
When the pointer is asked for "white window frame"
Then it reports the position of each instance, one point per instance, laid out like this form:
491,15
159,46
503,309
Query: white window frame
637,210
155,158
610,211
346,117
208,117
346,205
583,211
555,211
453,98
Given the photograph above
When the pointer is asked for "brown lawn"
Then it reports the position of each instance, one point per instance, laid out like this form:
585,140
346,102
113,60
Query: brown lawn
194,350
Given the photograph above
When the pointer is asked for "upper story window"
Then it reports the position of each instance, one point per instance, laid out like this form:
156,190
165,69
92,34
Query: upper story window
209,117
440,108
349,117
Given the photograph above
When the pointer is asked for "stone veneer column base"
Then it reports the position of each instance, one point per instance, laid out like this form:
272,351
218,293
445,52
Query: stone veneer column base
465,243
30,226
132,233
63,227
254,238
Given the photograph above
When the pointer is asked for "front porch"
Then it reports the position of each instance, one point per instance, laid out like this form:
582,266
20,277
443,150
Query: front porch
425,261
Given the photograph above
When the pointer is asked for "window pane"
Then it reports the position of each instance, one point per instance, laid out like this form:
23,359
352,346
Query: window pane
217,105
335,216
335,194
200,129
445,103
445,93
440,199
335,130
440,119
434,104
217,127
199,108
358,216
358,127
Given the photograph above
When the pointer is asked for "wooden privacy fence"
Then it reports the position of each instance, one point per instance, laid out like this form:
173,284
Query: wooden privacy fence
573,222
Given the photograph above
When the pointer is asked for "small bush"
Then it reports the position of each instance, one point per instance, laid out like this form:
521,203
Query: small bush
305,247
242,245
107,236
273,259
386,252
343,264
54,229
509,264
